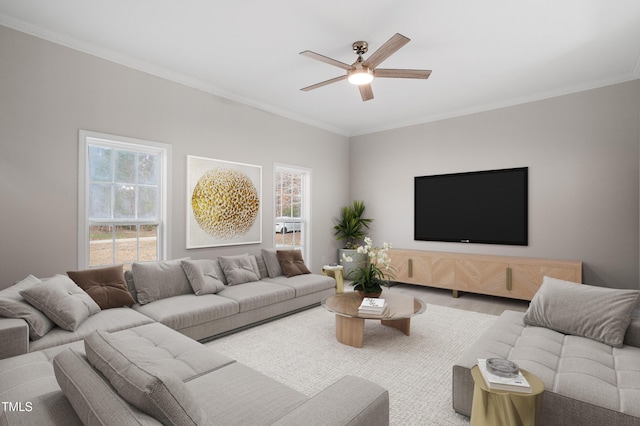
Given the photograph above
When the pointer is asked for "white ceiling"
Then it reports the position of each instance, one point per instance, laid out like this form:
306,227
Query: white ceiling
484,54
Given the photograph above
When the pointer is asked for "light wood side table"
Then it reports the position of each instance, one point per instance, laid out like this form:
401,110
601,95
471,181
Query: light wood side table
337,272
493,407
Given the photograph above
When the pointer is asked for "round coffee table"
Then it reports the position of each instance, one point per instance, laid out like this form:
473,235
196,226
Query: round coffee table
350,324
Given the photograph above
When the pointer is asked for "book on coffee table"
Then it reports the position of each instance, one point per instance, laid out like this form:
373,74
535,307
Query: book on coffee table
516,383
372,306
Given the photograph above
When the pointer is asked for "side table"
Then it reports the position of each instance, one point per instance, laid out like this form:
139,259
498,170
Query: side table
337,273
503,408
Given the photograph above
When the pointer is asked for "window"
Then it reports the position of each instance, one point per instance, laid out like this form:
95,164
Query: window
292,210
122,200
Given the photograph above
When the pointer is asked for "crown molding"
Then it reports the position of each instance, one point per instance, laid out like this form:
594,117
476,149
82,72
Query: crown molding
157,71
504,104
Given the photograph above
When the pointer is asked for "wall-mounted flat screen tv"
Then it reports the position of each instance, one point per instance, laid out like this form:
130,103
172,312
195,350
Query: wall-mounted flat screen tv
490,207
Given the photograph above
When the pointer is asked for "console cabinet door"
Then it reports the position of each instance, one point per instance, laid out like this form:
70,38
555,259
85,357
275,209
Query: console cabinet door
481,277
423,269
527,278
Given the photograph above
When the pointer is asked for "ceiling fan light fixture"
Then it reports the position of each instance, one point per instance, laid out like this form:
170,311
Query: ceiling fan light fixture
360,76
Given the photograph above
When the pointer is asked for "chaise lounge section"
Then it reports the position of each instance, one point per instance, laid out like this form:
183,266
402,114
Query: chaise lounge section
154,375
590,368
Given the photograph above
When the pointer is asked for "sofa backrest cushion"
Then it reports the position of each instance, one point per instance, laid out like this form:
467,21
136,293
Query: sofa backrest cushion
292,263
62,301
202,276
143,382
13,305
128,278
262,267
598,313
159,280
105,285
92,398
272,263
632,336
239,269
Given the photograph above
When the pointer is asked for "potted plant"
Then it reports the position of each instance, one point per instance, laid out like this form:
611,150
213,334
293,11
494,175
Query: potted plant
369,277
351,227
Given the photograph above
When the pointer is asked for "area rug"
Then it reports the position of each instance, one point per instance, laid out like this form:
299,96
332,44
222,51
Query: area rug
301,351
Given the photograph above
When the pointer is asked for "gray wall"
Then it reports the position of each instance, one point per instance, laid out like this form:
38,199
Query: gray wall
48,92
581,150
582,153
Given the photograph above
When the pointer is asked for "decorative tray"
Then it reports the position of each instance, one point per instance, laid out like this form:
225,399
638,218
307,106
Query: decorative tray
502,367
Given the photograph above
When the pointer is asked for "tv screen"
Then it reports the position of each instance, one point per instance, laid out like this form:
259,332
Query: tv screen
489,207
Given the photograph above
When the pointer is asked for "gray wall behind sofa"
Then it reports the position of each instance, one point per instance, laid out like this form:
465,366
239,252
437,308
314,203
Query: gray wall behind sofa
48,92
582,153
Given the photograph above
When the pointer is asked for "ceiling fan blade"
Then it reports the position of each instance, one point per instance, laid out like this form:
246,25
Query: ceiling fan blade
324,83
386,50
366,92
326,59
391,73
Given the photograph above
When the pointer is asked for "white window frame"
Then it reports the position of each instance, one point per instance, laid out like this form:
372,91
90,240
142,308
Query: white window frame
164,220
305,208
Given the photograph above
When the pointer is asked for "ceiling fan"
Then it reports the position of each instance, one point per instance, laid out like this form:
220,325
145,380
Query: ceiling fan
362,72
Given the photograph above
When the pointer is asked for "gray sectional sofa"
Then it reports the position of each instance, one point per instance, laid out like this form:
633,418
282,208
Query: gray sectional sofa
581,341
163,292
141,364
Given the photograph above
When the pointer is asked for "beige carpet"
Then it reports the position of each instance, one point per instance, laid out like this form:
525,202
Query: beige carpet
301,351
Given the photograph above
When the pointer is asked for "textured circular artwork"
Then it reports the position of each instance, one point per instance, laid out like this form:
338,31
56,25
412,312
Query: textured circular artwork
225,203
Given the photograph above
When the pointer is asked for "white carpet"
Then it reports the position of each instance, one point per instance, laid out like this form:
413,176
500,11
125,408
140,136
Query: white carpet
301,351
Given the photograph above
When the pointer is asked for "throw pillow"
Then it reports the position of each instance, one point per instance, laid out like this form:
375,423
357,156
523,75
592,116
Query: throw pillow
62,301
202,276
239,269
272,263
12,305
141,381
105,285
291,263
90,395
598,313
160,280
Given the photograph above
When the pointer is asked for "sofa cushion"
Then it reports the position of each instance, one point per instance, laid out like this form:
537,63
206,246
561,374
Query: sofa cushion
292,263
13,305
174,352
62,301
202,276
257,294
239,269
105,285
239,395
128,278
91,397
189,310
141,382
109,320
598,313
272,263
305,284
30,378
159,280
262,267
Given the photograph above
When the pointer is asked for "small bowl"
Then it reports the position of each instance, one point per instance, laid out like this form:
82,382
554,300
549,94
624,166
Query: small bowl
502,367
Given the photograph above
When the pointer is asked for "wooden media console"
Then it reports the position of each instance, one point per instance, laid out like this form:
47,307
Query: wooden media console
505,276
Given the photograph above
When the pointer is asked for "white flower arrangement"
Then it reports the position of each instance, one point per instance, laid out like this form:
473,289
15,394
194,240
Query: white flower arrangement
376,271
